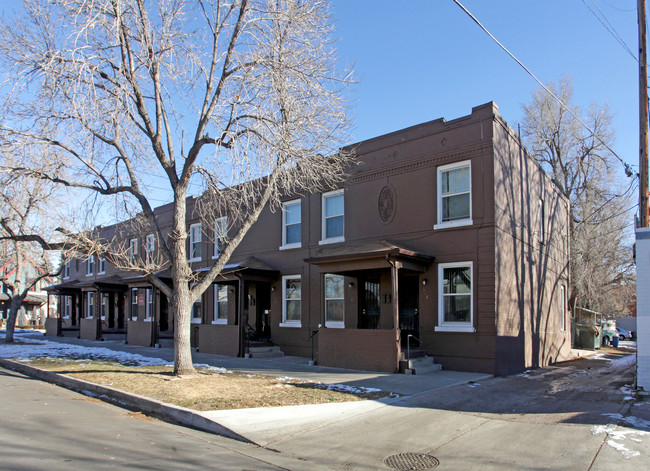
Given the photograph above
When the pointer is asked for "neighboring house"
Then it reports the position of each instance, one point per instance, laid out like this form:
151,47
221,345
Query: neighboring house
446,235
34,308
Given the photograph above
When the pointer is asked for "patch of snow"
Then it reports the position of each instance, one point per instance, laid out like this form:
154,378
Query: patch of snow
616,437
473,385
346,388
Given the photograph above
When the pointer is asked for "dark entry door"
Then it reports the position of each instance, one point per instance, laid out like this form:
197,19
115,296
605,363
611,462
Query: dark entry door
409,317
263,324
368,303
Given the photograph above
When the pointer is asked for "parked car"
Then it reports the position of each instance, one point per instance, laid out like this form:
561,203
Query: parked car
608,333
623,334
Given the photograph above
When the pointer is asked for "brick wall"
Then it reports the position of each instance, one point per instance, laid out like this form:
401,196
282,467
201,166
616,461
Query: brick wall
374,350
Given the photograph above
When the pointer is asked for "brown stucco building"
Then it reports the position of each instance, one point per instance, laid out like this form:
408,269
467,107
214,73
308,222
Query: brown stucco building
446,235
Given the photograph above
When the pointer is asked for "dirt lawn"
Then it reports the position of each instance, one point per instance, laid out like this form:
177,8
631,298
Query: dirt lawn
208,390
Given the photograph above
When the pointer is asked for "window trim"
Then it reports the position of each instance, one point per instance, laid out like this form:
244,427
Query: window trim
440,224
444,326
90,302
90,266
324,197
150,243
285,322
292,245
67,307
134,315
66,270
192,242
563,309
215,312
333,324
216,252
102,266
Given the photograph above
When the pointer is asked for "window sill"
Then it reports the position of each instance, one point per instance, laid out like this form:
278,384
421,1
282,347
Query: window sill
335,325
295,325
452,224
89,274
101,272
147,319
196,321
192,260
291,246
133,319
332,240
455,328
220,322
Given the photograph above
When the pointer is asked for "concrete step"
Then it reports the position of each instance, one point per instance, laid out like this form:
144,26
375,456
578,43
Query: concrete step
166,343
419,365
265,352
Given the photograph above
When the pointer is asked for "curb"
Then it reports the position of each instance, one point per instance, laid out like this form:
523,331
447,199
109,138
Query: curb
162,410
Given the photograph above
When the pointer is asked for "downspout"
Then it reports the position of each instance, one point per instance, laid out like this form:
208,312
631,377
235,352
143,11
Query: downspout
394,273
59,319
240,316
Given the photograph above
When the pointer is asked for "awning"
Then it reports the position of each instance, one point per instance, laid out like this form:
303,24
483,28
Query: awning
374,255
29,299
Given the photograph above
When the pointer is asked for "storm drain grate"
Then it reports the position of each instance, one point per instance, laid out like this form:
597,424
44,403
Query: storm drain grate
411,462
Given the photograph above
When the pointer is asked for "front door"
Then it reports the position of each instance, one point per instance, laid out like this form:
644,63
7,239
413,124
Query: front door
368,302
409,318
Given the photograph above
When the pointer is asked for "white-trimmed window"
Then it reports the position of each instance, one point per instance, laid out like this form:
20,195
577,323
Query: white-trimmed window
133,250
291,224
66,270
90,304
291,301
333,217
454,195
150,248
102,266
67,306
103,308
542,231
197,312
90,265
455,295
220,235
563,308
134,304
195,242
148,304
334,301
220,304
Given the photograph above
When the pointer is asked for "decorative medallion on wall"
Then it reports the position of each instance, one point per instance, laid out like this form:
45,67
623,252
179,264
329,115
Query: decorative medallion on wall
387,204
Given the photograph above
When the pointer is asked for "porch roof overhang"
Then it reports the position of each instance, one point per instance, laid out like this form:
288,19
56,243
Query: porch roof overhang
375,255
29,299
250,269
65,289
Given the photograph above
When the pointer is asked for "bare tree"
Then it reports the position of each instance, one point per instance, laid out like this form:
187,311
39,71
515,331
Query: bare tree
23,264
581,164
240,98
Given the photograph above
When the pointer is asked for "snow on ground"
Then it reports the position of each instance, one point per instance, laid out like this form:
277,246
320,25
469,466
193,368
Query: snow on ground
32,348
616,437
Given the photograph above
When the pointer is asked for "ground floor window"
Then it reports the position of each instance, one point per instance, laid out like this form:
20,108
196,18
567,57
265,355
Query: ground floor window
148,304
103,309
291,301
334,301
455,307
220,304
134,304
67,307
90,305
197,312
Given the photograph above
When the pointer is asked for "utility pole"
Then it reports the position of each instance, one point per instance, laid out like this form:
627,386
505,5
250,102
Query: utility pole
643,117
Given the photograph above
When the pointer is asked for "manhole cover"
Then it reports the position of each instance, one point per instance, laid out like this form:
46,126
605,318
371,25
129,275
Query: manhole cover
411,462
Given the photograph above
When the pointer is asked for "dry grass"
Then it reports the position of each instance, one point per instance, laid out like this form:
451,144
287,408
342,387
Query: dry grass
208,390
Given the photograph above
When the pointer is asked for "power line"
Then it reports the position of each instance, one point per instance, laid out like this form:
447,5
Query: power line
628,170
610,28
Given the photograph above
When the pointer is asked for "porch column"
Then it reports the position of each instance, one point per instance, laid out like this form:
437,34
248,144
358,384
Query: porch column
98,313
394,278
240,316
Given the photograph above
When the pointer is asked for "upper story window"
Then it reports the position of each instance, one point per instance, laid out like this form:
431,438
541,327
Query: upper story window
334,301
220,235
133,250
102,265
291,301
454,195
195,242
90,265
66,270
220,304
150,248
291,224
333,217
455,297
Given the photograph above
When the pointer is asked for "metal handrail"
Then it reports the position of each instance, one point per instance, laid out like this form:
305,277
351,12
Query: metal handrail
311,337
408,346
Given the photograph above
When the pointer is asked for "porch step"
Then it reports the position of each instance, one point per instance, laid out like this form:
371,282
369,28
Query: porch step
114,336
166,343
419,365
270,351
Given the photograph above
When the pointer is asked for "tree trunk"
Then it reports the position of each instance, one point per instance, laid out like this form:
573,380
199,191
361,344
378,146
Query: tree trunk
181,309
11,320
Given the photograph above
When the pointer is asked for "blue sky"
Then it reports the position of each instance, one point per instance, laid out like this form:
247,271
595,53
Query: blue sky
425,59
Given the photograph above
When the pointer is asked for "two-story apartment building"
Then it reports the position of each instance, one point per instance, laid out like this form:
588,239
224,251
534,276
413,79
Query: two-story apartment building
446,235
